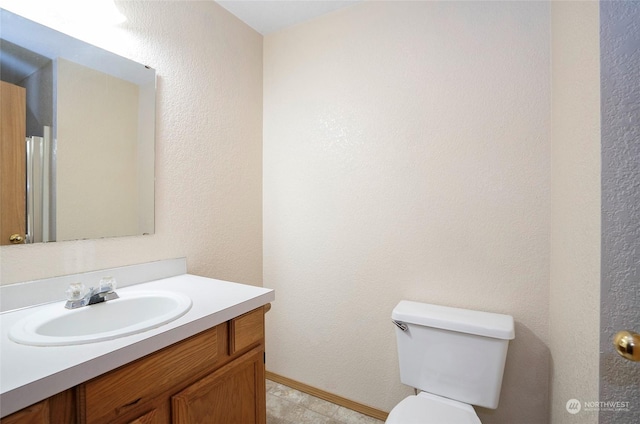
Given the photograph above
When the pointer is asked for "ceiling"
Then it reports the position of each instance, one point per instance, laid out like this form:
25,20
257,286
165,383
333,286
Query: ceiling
267,16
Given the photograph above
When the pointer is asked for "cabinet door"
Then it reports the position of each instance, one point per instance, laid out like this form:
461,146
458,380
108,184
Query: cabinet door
234,394
13,154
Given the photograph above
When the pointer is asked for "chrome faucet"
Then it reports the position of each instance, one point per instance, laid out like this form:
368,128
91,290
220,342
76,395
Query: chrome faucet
77,296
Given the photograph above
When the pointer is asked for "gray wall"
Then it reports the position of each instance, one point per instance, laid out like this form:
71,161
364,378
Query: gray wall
620,290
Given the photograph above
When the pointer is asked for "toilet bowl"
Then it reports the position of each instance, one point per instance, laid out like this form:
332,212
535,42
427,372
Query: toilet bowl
426,408
454,357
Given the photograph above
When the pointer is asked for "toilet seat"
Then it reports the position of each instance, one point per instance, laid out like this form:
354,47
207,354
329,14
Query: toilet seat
426,408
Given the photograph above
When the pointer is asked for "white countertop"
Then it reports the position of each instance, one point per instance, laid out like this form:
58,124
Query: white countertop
29,374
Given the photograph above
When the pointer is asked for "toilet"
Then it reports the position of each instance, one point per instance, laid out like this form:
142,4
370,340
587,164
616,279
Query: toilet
454,357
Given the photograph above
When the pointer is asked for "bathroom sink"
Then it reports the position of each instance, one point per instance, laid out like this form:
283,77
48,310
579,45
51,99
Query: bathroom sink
133,312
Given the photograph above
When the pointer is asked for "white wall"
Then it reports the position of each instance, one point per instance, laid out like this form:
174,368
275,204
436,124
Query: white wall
574,301
407,156
208,146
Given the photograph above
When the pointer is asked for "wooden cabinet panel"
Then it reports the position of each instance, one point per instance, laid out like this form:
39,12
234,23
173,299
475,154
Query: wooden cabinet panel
35,414
151,417
234,394
157,411
57,409
246,330
62,407
114,394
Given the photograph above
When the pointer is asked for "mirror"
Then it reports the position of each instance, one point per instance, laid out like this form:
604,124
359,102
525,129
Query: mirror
77,138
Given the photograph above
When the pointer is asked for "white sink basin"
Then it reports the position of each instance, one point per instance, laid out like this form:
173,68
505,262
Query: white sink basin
133,312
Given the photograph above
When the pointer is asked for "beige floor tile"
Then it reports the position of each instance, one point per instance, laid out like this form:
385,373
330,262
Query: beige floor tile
349,416
283,409
274,420
270,384
320,406
287,393
289,406
311,417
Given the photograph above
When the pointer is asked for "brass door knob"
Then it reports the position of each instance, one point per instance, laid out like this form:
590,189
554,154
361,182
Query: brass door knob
627,344
16,239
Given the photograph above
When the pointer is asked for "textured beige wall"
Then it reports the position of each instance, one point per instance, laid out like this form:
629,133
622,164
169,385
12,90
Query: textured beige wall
574,304
407,156
208,147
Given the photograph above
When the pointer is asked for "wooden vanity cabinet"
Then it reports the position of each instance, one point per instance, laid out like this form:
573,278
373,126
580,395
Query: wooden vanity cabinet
57,409
216,376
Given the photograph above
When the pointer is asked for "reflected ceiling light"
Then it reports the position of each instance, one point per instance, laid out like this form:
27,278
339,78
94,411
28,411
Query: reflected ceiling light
76,12
94,11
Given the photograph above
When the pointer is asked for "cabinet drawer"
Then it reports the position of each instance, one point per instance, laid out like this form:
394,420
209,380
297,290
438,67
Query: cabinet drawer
110,396
246,330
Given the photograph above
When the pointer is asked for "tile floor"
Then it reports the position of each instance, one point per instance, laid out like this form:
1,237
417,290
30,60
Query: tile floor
289,406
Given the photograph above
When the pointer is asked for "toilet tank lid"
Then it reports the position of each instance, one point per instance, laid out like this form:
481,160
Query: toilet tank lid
486,324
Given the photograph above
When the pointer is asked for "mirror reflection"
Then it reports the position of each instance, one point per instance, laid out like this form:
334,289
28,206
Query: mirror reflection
76,138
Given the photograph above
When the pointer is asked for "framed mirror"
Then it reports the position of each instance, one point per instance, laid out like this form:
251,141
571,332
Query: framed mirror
76,138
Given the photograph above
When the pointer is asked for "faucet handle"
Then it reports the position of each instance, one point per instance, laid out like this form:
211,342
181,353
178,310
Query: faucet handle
107,284
76,291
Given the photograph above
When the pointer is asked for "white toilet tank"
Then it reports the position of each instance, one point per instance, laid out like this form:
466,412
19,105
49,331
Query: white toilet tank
455,353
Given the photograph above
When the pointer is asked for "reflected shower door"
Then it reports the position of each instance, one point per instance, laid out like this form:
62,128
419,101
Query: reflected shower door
40,226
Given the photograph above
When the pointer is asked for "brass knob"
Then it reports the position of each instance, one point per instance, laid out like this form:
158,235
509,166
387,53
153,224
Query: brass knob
627,344
16,239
